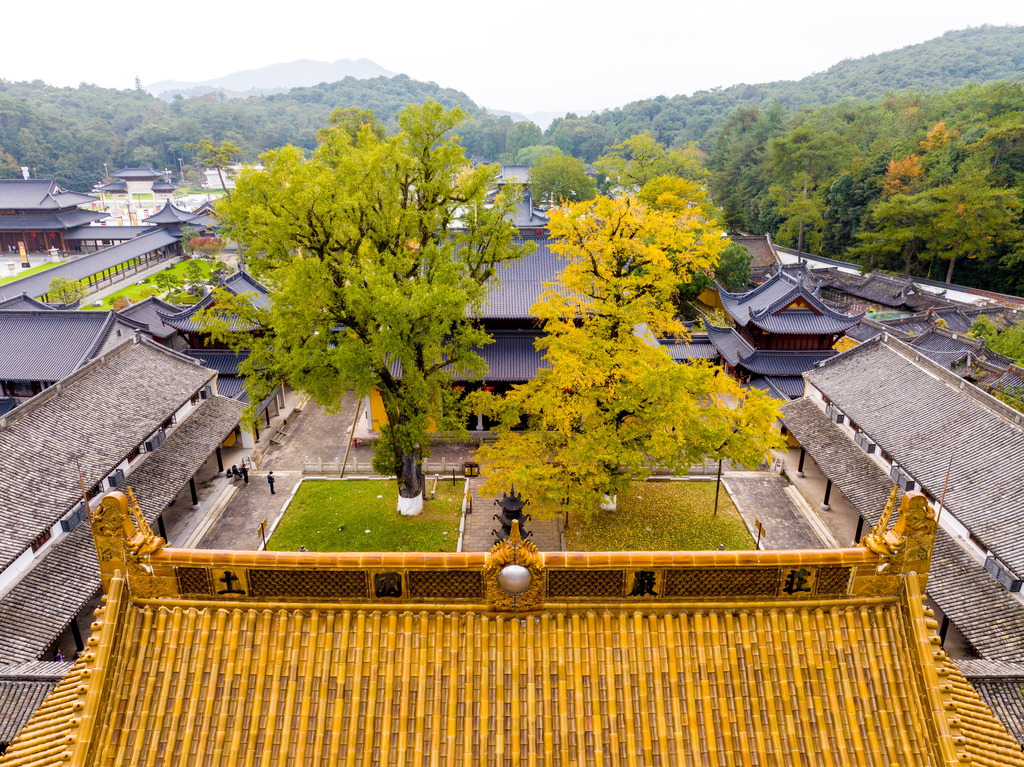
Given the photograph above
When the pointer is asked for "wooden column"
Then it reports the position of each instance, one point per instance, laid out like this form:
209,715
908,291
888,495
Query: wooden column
828,492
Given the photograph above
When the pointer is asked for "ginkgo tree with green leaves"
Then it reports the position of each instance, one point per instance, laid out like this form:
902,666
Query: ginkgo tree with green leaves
612,405
379,274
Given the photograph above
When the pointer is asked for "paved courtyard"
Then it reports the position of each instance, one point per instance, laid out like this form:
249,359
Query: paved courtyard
765,496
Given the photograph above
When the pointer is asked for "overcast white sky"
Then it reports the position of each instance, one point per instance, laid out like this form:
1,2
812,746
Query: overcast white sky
566,55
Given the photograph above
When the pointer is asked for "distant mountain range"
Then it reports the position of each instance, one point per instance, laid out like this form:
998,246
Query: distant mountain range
276,78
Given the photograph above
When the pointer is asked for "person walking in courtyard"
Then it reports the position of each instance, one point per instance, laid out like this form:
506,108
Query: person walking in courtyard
270,481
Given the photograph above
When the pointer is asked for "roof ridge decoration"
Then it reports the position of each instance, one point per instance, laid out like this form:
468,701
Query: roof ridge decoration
514,575
125,542
907,547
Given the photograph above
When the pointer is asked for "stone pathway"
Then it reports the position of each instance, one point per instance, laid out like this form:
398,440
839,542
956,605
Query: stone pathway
764,496
311,431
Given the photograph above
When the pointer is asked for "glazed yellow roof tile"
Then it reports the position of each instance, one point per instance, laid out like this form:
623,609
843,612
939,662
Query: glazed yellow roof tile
840,669
238,686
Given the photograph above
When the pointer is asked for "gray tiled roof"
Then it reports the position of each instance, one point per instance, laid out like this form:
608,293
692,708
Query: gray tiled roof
68,576
38,194
986,614
93,263
699,347
522,282
23,303
147,312
774,363
765,307
50,345
791,386
240,283
97,416
977,668
730,344
759,246
512,358
921,414
18,701
762,384
224,361
39,222
884,289
138,173
1006,699
114,233
171,214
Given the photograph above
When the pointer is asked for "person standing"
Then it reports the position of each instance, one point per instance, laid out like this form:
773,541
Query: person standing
270,481
245,474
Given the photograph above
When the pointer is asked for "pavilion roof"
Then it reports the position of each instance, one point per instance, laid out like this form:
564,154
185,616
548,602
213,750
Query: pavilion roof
171,214
41,195
785,304
114,187
138,174
735,349
518,284
921,414
93,418
614,657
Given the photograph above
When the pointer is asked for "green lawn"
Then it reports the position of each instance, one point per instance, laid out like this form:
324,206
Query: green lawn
141,290
22,272
662,516
360,515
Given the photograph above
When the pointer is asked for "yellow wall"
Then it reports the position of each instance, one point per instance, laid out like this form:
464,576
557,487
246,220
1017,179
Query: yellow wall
711,298
377,415
844,343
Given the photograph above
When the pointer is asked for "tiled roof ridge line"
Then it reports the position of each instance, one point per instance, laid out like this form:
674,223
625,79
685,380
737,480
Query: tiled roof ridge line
98,654
51,392
969,390
927,647
552,559
813,296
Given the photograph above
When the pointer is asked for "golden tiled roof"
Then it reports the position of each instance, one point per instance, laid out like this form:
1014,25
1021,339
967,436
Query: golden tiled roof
819,658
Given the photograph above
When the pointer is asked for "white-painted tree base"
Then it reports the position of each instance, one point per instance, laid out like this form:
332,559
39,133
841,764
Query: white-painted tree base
610,503
410,507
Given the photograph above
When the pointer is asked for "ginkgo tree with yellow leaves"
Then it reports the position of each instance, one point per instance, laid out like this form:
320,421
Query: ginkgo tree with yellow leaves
612,405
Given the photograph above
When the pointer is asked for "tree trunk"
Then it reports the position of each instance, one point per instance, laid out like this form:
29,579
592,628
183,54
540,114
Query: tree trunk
410,481
800,240
227,191
949,271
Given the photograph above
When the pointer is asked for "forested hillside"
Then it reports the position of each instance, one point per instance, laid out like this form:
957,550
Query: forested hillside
979,55
923,184
70,133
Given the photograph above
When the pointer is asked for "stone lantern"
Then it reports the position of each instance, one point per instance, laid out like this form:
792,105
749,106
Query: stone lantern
512,506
